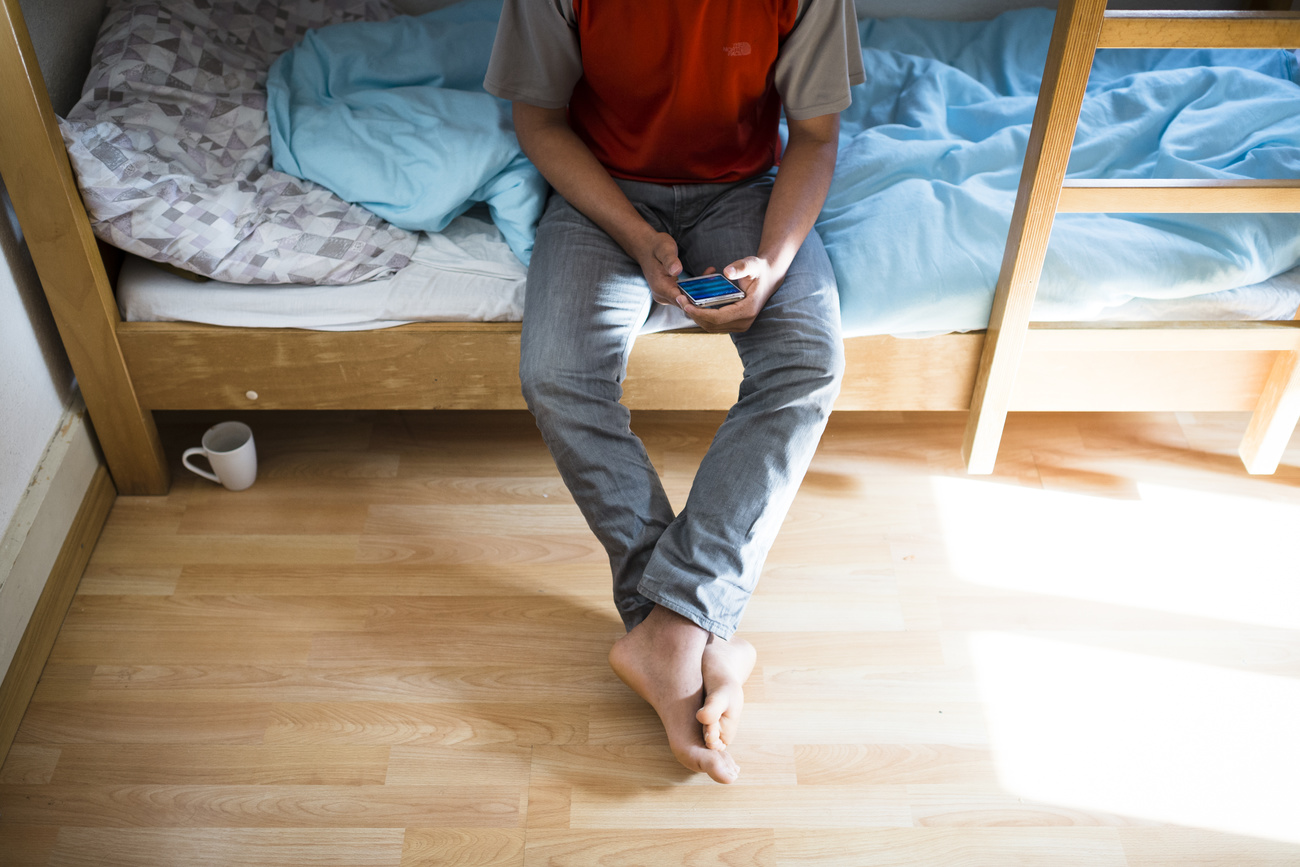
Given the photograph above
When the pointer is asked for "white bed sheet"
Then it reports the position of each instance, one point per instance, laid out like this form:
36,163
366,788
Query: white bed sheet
468,274
463,274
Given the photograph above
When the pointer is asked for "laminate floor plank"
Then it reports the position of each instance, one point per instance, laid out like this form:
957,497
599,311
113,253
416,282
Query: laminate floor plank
506,546
893,764
495,765
30,764
610,768
823,723
1198,847
391,723
633,848
222,765
770,806
237,847
392,650
413,682
395,579
102,580
923,847
278,806
111,722
232,549
189,647
27,845
463,847
466,645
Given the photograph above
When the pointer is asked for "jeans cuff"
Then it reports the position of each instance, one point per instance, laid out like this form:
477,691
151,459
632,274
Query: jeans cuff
648,589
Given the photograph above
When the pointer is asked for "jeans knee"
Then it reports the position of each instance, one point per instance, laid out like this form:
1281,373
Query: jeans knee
828,362
555,391
543,386
819,370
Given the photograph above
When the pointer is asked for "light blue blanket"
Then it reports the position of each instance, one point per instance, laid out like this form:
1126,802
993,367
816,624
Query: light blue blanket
393,115
930,157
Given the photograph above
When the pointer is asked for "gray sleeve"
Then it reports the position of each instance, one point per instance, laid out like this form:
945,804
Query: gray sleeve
820,60
535,58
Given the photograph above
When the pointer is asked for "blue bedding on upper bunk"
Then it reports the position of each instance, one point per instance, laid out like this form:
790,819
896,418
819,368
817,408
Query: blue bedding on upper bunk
930,156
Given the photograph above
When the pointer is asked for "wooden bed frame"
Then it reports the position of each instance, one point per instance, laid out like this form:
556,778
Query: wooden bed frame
127,370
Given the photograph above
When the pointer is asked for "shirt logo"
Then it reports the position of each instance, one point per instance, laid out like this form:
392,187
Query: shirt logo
737,49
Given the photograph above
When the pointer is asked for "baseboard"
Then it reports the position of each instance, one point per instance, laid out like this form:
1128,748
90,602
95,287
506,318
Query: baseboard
42,558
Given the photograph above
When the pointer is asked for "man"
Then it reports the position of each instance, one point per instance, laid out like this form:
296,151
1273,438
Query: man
656,123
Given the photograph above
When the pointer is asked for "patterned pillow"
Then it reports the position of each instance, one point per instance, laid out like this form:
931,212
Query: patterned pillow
172,150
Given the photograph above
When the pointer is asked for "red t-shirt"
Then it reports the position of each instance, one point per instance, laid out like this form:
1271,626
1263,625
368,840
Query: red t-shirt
678,91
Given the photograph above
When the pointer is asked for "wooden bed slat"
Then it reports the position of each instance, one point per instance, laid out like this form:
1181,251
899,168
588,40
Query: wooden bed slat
49,207
1068,367
1141,381
1200,30
432,366
1192,196
1065,77
1162,336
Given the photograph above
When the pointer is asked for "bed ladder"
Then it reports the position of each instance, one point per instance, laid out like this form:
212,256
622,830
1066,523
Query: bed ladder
1083,26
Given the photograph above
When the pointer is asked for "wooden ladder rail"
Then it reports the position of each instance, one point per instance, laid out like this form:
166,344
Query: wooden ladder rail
1081,27
35,167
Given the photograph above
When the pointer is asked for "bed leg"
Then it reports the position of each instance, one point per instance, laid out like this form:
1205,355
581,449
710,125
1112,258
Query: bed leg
1065,77
1275,417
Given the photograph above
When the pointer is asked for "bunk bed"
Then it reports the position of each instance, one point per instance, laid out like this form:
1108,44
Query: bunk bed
127,370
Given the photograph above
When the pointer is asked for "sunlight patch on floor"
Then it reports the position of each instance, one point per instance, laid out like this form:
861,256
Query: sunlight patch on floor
1155,739
1176,550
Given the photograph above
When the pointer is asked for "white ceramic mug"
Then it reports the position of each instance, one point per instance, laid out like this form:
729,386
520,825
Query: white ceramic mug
229,448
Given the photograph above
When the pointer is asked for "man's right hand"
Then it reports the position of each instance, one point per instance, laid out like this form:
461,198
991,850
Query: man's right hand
659,263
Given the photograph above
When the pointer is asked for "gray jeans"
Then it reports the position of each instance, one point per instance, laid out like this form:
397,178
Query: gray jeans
586,299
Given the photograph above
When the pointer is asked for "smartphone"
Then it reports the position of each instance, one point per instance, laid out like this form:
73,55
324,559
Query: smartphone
712,290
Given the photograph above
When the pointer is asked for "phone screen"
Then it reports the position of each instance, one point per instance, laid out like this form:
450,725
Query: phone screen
705,288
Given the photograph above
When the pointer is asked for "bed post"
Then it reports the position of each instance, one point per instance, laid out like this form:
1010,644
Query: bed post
1275,416
1065,77
35,167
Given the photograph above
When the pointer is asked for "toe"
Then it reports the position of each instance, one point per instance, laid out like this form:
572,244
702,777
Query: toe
727,727
714,706
720,766
711,716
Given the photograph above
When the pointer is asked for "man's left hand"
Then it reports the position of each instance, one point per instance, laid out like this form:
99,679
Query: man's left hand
757,278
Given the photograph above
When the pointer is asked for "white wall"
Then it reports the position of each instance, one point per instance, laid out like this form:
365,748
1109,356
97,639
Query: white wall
35,379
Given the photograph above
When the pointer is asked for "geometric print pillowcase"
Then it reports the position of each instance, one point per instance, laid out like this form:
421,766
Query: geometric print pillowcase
172,150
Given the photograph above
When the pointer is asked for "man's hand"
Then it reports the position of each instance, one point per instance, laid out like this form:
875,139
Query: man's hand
658,259
797,196
758,279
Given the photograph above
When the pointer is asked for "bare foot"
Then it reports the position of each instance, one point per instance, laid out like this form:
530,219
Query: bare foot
661,659
725,666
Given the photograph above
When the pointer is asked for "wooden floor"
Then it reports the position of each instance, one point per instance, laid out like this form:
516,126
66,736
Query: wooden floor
391,650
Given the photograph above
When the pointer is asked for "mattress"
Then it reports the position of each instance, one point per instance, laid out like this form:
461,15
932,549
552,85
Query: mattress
467,273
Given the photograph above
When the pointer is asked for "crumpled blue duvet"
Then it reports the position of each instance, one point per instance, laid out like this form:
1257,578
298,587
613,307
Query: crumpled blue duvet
931,151
393,115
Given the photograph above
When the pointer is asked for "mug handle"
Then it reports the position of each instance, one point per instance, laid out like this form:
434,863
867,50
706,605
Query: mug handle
185,459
